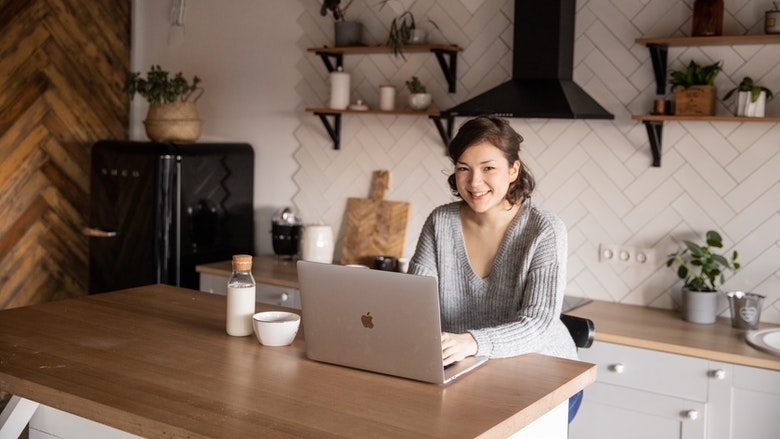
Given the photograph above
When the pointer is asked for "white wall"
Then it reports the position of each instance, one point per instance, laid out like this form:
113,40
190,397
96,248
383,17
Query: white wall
595,174
245,53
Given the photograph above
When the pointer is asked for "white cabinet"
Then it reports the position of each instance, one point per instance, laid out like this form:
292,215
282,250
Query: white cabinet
641,393
265,293
744,402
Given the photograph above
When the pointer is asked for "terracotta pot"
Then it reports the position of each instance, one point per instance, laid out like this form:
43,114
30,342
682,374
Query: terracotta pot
174,122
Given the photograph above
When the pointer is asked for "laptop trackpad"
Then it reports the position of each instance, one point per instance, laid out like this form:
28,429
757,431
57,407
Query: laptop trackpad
454,370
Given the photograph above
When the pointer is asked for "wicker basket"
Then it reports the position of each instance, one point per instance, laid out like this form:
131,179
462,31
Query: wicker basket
175,122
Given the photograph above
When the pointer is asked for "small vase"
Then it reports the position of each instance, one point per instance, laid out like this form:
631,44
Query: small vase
746,107
707,18
419,101
700,306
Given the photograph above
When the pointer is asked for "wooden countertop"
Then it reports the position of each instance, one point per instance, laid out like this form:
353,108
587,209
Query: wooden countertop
267,269
638,326
665,330
156,361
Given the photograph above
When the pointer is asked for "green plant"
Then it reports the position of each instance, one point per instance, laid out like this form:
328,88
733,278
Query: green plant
401,30
711,266
334,6
160,88
754,89
415,86
695,74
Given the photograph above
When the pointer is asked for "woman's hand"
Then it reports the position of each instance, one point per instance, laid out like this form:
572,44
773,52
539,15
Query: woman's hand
455,347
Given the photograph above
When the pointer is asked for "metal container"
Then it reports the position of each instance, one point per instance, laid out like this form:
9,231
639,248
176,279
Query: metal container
745,309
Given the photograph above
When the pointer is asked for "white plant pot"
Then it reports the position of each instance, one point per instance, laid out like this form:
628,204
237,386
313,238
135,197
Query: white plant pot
420,101
700,306
747,108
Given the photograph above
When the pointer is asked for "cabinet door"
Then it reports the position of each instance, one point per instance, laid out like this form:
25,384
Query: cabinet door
616,412
755,402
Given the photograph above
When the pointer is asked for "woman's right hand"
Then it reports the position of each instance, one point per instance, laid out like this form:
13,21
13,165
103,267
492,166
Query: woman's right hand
456,347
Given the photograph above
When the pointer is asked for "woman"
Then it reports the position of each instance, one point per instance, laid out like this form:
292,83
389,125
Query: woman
500,260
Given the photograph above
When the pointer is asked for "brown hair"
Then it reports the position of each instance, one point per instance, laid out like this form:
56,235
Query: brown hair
500,134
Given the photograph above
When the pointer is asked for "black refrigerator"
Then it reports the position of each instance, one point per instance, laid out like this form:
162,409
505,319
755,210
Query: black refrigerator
159,209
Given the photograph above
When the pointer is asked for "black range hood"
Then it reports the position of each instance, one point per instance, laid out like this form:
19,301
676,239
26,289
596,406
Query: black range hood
542,64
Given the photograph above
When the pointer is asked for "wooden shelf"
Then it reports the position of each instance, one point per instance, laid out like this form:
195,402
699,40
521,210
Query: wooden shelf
663,117
446,54
367,50
721,40
654,123
334,126
405,112
658,48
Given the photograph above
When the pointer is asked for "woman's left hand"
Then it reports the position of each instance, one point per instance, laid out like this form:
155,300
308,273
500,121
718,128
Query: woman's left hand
455,347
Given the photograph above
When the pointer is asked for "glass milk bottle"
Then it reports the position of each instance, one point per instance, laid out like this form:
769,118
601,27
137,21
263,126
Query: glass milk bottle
240,297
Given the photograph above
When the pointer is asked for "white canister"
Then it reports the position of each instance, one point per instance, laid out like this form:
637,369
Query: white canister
317,243
339,90
386,97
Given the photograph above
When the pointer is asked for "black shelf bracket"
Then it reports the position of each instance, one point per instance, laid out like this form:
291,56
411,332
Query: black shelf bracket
658,55
654,130
334,129
444,132
450,69
326,56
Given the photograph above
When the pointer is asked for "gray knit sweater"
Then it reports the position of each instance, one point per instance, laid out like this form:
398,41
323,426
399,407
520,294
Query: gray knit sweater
516,309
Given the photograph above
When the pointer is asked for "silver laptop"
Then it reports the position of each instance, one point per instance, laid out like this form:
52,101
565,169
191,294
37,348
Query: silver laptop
375,320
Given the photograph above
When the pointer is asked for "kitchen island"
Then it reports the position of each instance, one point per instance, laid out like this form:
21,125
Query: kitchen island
155,361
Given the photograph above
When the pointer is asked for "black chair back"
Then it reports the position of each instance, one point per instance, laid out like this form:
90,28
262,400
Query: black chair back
581,329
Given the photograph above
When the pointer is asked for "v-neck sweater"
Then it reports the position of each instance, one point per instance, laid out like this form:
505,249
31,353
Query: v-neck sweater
515,309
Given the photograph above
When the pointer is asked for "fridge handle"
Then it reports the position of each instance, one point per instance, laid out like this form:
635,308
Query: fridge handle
97,232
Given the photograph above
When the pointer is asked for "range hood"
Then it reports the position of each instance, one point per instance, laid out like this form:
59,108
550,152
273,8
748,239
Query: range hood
542,64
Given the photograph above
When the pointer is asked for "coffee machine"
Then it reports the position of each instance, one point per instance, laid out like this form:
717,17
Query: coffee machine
286,227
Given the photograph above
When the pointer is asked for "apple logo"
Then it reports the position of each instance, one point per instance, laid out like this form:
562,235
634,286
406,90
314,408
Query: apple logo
367,320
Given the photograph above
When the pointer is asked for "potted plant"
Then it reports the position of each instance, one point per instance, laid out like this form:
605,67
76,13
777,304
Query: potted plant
702,271
419,98
695,93
403,30
347,33
751,99
172,114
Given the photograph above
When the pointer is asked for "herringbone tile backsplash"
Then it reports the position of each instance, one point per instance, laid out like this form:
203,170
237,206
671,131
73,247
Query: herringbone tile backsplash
596,175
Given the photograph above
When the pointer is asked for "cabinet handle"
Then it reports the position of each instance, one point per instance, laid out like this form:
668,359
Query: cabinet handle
617,368
284,297
718,374
691,414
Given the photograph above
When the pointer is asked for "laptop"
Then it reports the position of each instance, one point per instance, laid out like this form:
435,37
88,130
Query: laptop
375,320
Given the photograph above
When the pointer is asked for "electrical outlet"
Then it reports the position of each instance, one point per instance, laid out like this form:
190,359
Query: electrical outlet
625,255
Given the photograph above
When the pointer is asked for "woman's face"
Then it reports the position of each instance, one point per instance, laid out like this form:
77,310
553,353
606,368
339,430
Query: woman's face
482,176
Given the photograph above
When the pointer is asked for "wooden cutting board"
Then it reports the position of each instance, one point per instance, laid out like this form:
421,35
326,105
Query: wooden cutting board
374,226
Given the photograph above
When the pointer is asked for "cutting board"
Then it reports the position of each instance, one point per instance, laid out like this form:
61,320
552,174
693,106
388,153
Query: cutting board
374,226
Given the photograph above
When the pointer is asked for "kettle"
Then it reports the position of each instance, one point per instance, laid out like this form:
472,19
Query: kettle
286,232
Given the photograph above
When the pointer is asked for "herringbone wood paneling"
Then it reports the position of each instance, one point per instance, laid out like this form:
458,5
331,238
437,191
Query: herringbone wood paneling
62,66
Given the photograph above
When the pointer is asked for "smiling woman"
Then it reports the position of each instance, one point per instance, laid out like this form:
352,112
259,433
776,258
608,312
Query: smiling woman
500,260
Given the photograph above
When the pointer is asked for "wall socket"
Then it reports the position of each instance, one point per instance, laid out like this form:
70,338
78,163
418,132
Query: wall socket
624,255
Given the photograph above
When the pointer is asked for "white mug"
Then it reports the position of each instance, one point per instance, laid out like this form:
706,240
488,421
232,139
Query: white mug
317,243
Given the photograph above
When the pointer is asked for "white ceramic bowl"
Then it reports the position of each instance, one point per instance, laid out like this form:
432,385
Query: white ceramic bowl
276,328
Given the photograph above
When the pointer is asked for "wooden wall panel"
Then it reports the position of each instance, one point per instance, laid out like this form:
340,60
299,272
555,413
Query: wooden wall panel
62,66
